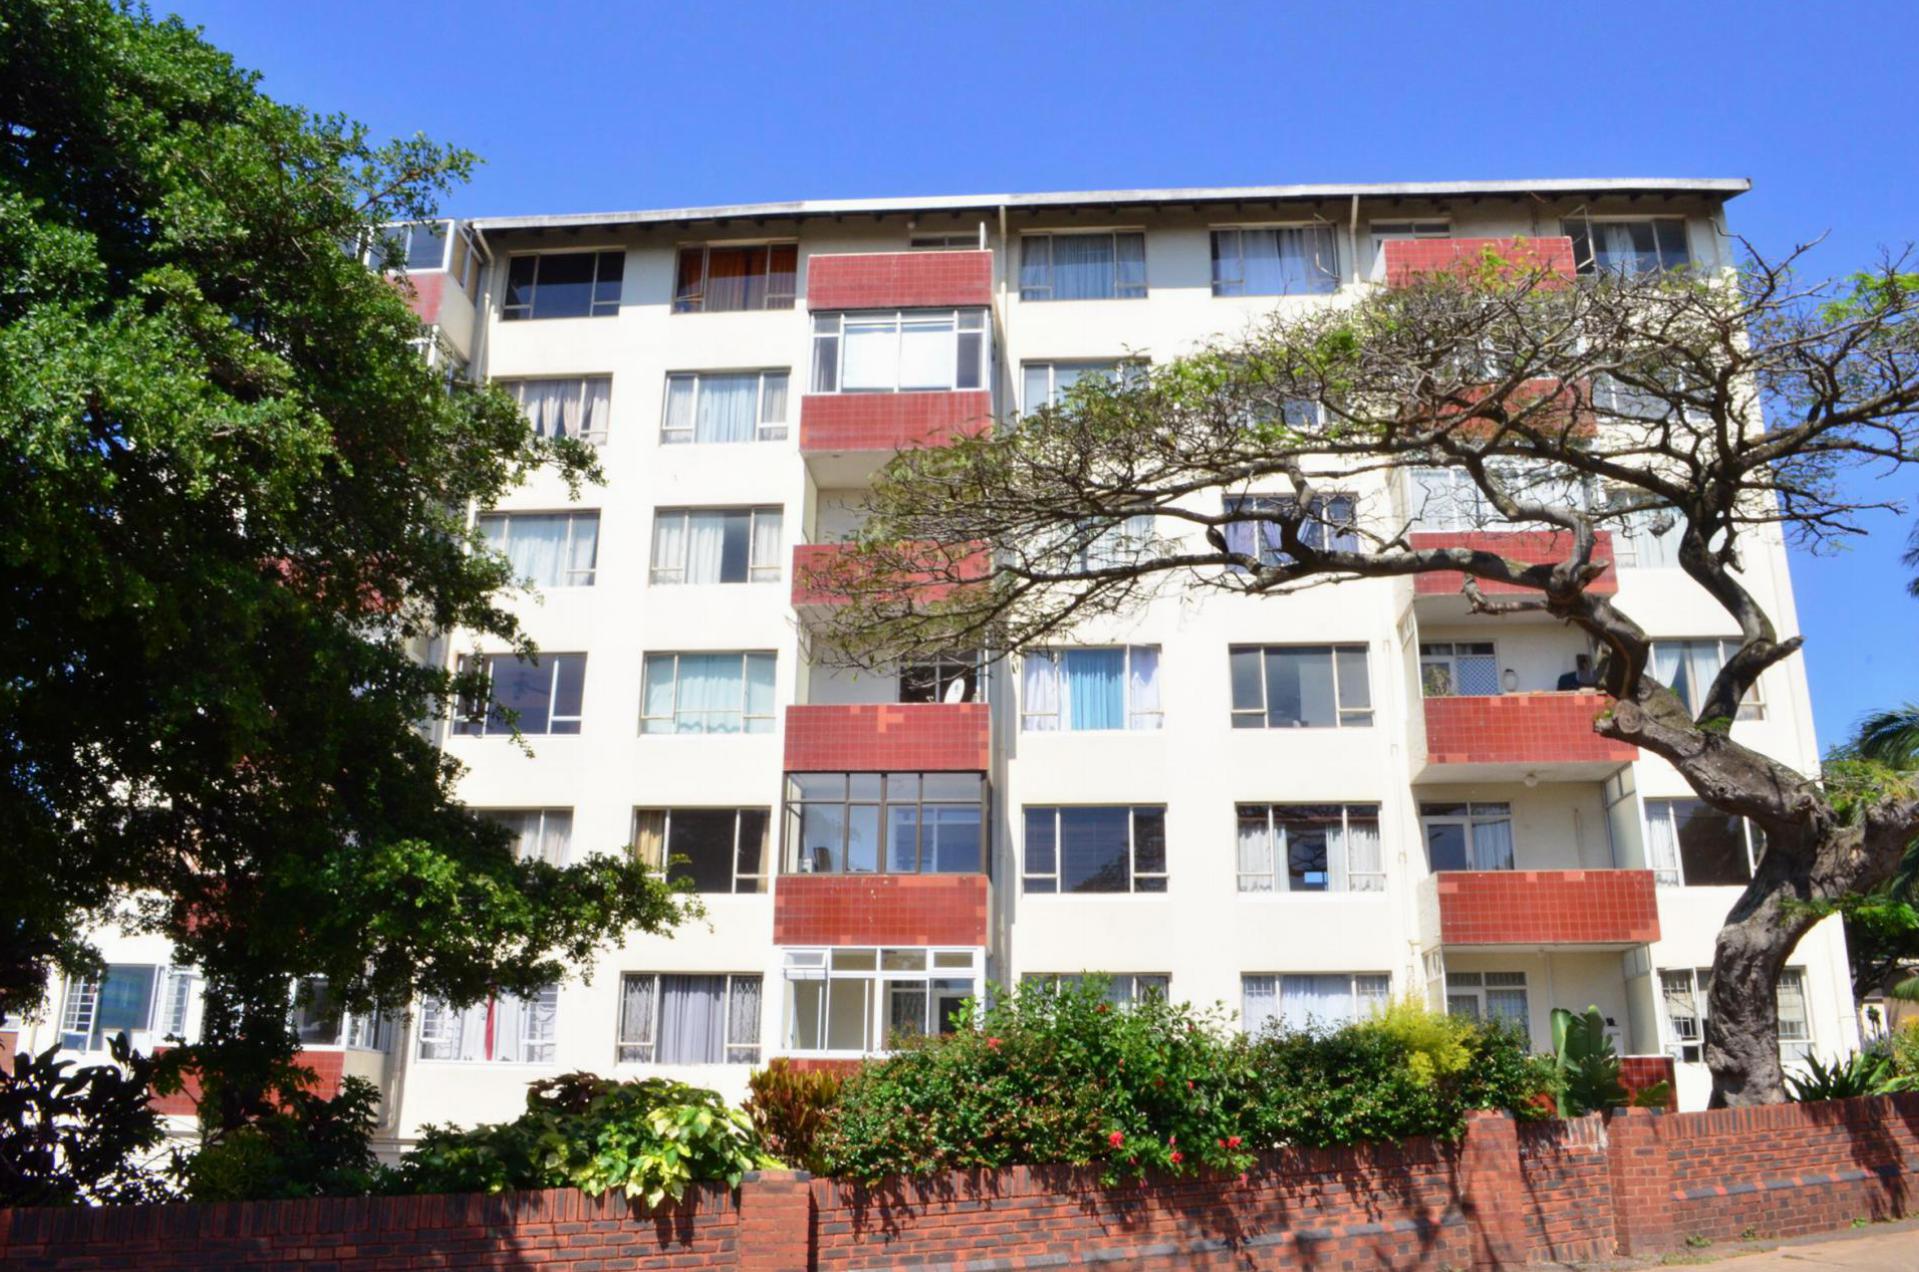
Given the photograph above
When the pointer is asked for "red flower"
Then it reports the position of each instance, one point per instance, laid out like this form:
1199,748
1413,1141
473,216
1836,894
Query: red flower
1178,1158
1242,1179
1189,1084
1116,1139
993,1043
1172,1139
1232,1141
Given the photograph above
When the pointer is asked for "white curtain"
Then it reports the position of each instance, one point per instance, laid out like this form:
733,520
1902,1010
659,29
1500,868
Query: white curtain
1142,683
692,1020
1039,692
536,546
524,1028
773,405
660,676
682,391
728,408
1493,845
869,357
1255,852
585,550
743,1019
468,1029
709,693
598,411
669,547
1259,1002
556,837
1083,266
1305,999
764,554
1366,867
759,693
637,1006
1669,667
927,356
705,546
1662,843
545,403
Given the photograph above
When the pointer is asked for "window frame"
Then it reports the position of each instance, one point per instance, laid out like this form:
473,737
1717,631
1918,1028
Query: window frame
1130,711
1405,231
742,882
944,669
475,720
769,716
794,851
683,302
1032,881
1377,995
1123,989
1323,519
1125,371
1029,293
804,965
1589,265
573,518
1435,654
1259,715
829,345
656,574
1751,707
1332,275
1280,876
764,430
596,307
1478,986
80,1006
489,1042
731,1051
1469,821
498,815
1699,987
516,385
1750,834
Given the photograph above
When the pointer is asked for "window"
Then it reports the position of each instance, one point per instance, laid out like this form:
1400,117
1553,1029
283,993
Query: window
905,351
1046,383
1385,232
1684,992
970,241
1688,668
1461,668
505,1027
534,697
1647,538
563,285
1330,523
547,549
1280,261
1102,849
416,246
680,1019
1628,247
1287,1001
900,823
947,678
1448,499
1095,544
576,407
1083,690
1300,687
718,849
716,545
707,693
138,999
716,280
1497,996
1688,841
539,834
738,406
1310,848
857,999
1122,989
319,1021
1468,836
1097,266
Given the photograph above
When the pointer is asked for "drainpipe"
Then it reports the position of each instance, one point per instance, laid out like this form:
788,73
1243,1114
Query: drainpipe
1352,238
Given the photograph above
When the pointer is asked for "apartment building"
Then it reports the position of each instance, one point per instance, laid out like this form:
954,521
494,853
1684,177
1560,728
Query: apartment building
1294,806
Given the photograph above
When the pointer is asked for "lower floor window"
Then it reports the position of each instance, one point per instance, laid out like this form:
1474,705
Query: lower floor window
682,1019
142,1000
1497,996
1299,1001
1310,848
1122,990
858,999
507,1027
1685,989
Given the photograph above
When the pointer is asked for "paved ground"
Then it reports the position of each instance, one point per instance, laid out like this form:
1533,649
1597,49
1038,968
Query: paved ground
1879,1247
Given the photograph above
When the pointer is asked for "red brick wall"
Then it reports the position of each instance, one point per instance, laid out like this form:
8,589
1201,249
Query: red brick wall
1566,1201
934,737
1529,547
880,910
1407,259
1521,728
1637,1073
902,280
891,421
1546,907
327,1069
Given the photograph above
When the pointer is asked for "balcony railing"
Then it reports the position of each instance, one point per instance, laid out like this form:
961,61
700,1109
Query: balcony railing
1404,261
1509,735
822,576
926,737
844,437
881,909
1596,909
1529,547
901,280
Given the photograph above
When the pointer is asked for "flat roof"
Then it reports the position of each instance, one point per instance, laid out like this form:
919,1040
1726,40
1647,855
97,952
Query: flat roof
1712,187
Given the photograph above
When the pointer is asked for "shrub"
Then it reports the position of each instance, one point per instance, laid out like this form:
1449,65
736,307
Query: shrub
77,1135
649,1139
1869,1073
1586,1070
310,1146
792,1110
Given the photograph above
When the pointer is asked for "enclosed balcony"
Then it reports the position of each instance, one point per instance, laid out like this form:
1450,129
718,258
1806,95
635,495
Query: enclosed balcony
1592,910
846,437
1438,594
947,737
902,280
1401,262
822,576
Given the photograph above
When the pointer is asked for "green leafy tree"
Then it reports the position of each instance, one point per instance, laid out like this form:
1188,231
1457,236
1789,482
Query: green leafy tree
236,514
71,1135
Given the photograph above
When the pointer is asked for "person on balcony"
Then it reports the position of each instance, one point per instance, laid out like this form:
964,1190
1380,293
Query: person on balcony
1582,676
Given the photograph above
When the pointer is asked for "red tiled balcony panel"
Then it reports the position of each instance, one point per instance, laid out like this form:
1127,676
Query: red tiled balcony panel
820,573
1546,907
835,422
429,289
899,909
1409,259
1550,408
1528,547
1521,728
930,737
1636,1073
904,280
327,1066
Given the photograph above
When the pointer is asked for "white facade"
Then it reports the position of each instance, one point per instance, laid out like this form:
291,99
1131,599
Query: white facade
1202,930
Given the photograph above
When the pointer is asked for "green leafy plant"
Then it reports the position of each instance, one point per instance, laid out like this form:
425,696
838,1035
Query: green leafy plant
649,1139
792,1109
1586,1069
72,1135
1861,1073
310,1146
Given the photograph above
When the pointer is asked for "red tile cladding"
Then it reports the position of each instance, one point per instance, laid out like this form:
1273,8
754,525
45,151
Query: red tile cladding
891,421
1636,1073
1408,259
327,1066
815,566
1528,547
933,737
1546,907
880,910
904,280
428,291
1521,728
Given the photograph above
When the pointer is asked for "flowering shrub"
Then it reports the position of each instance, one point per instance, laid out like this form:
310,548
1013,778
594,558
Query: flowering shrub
1060,1076
791,1109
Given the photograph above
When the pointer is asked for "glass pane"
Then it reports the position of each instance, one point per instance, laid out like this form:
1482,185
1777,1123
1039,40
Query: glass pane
426,245
955,839
1149,840
565,285
1712,845
1042,855
569,690
1246,682
755,823
862,838
849,1015
1355,688
952,786
1446,845
1299,688
902,838
523,688
903,960
1093,850
704,837
822,834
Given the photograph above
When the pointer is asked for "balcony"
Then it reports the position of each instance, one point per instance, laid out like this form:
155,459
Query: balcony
1439,596
330,1065
846,437
927,737
1518,736
1592,910
1405,261
907,280
880,909
820,579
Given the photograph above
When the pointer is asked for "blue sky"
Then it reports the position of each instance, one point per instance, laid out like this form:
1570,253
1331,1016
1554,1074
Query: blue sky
604,106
